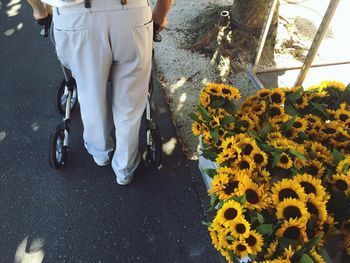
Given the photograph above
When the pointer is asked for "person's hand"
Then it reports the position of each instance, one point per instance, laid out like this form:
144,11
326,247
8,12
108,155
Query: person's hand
160,20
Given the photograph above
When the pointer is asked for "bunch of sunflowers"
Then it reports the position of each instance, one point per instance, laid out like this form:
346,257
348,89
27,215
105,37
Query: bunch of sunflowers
282,185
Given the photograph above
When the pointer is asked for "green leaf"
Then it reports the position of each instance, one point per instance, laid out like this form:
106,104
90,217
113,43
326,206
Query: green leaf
215,134
264,229
194,117
290,110
203,111
285,242
210,155
230,106
217,102
345,168
288,124
227,119
297,154
208,224
312,243
231,238
305,258
254,135
294,96
266,148
346,94
210,172
337,156
242,199
213,200
265,130
276,158
321,109
261,219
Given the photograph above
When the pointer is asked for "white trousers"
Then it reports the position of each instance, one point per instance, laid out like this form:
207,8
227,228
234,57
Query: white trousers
112,42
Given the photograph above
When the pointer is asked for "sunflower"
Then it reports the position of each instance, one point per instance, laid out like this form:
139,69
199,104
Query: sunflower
341,138
301,103
345,227
219,183
215,122
329,129
258,108
315,168
262,176
311,185
230,92
312,120
271,249
328,226
287,188
276,122
196,128
214,239
294,229
230,211
225,239
317,208
317,258
321,152
247,144
255,242
230,188
241,249
341,182
228,154
213,88
292,208
299,125
263,93
204,99
346,244
246,123
342,115
285,161
275,110
344,164
260,158
274,135
245,163
332,84
288,252
277,96
240,227
255,195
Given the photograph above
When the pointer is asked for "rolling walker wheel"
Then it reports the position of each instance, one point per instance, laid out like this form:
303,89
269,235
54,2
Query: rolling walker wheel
62,95
154,149
58,152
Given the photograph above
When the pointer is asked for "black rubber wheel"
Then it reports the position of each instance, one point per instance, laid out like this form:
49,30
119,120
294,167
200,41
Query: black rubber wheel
58,152
62,95
154,150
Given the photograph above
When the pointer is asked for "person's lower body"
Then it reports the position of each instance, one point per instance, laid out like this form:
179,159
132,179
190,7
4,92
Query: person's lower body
109,41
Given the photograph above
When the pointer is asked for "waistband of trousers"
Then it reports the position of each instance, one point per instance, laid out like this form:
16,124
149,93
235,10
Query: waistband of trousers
101,5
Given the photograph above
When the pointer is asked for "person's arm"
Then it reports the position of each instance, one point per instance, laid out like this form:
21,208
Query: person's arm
40,10
160,12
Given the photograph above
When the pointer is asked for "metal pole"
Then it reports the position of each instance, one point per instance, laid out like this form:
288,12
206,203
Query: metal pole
317,41
264,32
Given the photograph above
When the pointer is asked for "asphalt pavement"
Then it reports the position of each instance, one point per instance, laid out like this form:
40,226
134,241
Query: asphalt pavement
79,213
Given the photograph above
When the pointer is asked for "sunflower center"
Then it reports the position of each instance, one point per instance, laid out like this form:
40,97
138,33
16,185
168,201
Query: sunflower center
274,112
230,188
291,212
312,170
340,137
286,193
240,228
251,241
244,165
258,158
252,196
226,91
297,125
230,213
329,131
326,227
292,233
299,101
308,188
343,117
241,247
284,159
247,149
213,91
276,98
341,185
229,145
311,208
